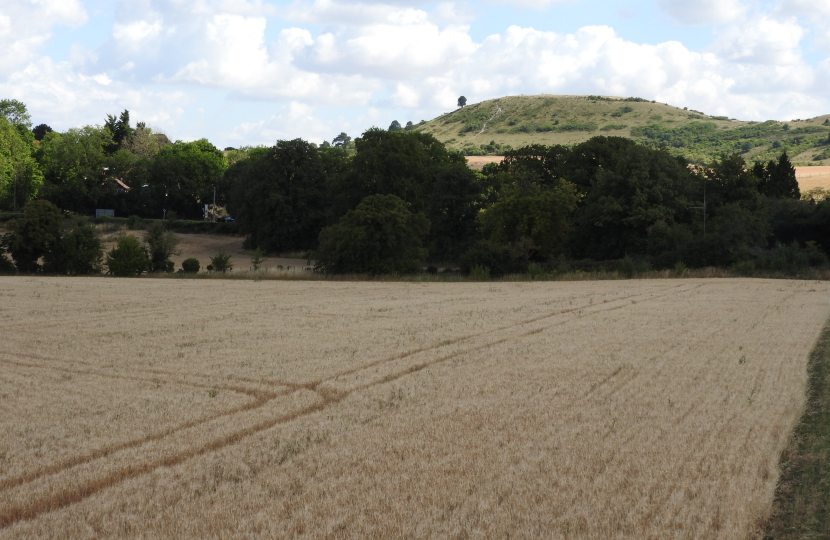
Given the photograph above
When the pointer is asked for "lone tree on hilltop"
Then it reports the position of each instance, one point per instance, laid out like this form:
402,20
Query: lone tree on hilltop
462,101
395,126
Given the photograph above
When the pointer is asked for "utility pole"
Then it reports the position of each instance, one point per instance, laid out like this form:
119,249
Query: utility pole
213,218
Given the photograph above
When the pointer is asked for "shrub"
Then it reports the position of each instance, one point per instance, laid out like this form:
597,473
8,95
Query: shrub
257,259
221,262
128,258
34,235
190,266
160,245
481,273
133,223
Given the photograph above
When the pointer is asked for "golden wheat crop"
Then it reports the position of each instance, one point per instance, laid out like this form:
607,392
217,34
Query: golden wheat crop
237,409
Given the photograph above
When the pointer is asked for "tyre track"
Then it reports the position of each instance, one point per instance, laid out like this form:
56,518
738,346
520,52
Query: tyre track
325,395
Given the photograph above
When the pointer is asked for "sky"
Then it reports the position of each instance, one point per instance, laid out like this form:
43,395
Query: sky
251,72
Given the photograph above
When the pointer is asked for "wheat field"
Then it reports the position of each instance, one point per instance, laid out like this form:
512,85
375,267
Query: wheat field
241,409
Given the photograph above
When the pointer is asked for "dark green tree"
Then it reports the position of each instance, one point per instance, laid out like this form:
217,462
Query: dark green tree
462,101
627,189
409,126
530,212
342,140
277,196
380,236
119,128
34,235
79,251
182,177
778,179
395,126
40,131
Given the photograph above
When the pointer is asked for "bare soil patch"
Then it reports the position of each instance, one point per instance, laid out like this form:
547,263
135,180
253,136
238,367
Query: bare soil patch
639,409
478,162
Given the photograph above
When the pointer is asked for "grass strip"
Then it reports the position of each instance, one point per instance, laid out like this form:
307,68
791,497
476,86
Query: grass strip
802,500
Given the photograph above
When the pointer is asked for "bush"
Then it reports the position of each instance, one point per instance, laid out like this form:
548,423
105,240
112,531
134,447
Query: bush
221,262
791,258
160,245
128,258
628,267
34,235
190,266
481,273
133,223
380,236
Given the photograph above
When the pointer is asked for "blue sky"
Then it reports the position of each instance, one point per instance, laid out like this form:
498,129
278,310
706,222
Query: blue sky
242,72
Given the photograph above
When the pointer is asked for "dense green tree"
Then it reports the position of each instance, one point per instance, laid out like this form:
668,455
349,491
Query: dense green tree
395,126
462,101
529,210
20,176
73,165
409,126
40,131
546,162
16,114
79,251
277,196
777,179
119,128
128,258
182,176
342,140
452,208
34,235
380,236
628,188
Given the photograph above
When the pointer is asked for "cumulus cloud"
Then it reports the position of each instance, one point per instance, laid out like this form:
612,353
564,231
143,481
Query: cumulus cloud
703,11
762,40
26,25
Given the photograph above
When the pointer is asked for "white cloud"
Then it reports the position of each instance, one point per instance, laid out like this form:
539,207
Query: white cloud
25,25
762,40
703,11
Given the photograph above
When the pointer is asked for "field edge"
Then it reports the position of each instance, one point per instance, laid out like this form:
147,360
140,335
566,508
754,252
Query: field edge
801,508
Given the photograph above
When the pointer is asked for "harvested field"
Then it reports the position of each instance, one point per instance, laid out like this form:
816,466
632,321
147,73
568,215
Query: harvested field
234,409
812,177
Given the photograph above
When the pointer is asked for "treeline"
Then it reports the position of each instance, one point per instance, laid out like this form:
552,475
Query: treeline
397,201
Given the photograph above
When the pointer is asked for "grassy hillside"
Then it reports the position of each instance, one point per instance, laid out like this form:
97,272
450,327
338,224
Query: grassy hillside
492,126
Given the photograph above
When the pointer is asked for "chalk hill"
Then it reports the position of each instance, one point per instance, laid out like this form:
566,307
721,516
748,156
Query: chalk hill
491,126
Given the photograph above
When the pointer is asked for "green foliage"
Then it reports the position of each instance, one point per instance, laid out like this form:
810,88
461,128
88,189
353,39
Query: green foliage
221,262
190,266
40,131
20,175
380,236
183,176
79,252
791,258
395,126
462,101
613,127
528,209
480,273
257,259
15,112
128,258
278,195
34,235
627,189
161,244
497,260
778,179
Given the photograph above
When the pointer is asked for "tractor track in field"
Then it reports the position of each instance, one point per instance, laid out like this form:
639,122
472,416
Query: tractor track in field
326,395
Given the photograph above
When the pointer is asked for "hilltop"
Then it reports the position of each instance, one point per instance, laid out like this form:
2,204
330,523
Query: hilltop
491,127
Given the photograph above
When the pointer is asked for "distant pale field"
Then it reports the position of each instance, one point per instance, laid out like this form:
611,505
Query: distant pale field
153,408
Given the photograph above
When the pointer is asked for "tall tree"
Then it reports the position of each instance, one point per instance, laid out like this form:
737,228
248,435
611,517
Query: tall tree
277,196
778,179
342,140
16,113
395,126
34,235
462,101
40,131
